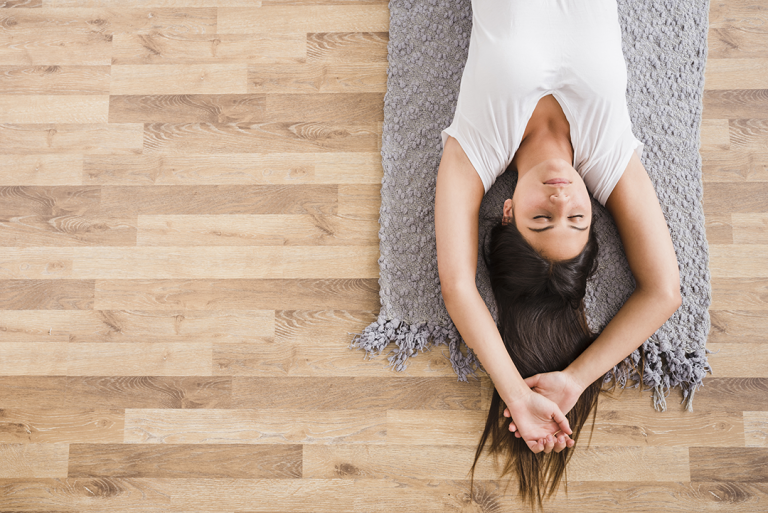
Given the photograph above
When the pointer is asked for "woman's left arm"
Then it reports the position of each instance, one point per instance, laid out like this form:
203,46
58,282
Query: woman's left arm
651,256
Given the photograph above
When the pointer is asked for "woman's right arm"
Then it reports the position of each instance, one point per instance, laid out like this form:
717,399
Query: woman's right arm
458,196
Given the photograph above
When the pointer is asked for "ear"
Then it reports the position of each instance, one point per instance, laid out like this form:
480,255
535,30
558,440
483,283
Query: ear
507,212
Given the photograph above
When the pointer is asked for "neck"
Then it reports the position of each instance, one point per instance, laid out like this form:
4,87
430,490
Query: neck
540,146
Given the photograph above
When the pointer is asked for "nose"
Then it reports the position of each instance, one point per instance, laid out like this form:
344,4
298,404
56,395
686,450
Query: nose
559,199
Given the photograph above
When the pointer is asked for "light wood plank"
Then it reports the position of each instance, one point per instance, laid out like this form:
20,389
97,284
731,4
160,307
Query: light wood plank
750,228
746,13
280,137
627,423
318,78
218,199
747,73
61,425
739,103
188,108
738,260
343,47
100,18
756,428
740,464
739,294
157,359
719,228
141,325
737,165
186,4
53,109
748,360
714,135
256,230
179,79
183,392
33,460
305,18
244,168
148,426
43,295
33,358
58,80
395,462
219,262
92,138
207,294
749,134
739,326
41,170
321,394
629,464
55,47
200,461
67,230
160,47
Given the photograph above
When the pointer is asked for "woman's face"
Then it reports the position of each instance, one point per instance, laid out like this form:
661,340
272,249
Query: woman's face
552,209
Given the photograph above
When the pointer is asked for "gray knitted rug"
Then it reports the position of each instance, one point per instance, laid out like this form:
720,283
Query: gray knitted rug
665,47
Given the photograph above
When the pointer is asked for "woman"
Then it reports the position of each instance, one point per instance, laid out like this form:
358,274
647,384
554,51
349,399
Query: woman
543,90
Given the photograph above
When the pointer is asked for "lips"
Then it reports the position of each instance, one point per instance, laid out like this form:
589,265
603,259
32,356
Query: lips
558,181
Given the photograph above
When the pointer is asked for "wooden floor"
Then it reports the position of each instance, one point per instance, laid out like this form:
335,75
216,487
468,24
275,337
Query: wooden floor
188,232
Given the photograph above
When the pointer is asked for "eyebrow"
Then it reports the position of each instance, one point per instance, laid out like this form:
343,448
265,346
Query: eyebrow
539,230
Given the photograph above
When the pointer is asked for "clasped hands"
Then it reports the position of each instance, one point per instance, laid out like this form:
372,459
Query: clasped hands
538,417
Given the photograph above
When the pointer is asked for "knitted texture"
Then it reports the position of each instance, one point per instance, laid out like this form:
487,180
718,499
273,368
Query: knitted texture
665,48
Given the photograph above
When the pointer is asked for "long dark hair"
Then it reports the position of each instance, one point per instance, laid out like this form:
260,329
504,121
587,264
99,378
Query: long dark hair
542,323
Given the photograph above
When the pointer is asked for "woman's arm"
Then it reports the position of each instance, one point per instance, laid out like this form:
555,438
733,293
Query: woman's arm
457,204
651,256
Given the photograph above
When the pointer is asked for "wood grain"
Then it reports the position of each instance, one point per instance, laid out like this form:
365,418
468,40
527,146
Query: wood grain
125,200
304,18
179,139
217,262
33,460
46,294
754,260
178,79
737,73
161,47
735,166
739,464
738,326
54,80
756,428
252,426
189,205
54,47
207,294
318,78
345,47
255,230
61,425
318,394
237,461
113,138
740,103
94,17
41,170
125,326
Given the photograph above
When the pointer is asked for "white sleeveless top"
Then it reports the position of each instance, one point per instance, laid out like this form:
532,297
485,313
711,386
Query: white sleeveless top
523,50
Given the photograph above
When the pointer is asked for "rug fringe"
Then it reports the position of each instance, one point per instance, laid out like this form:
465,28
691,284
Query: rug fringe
411,339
